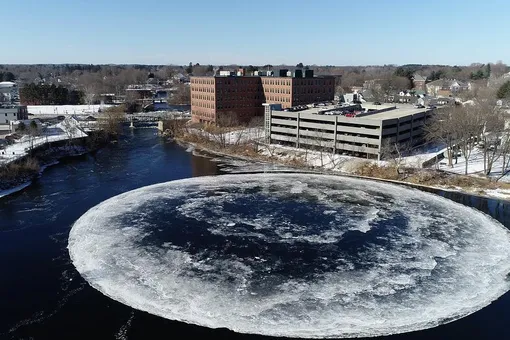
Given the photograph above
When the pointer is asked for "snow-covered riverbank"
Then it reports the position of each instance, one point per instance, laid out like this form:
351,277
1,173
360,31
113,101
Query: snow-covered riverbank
49,158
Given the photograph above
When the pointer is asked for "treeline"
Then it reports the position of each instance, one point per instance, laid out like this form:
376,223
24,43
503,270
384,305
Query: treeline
97,79
33,94
7,76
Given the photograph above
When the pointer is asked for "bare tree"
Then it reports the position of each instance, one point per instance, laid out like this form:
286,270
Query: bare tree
181,95
225,123
133,102
164,73
442,127
321,143
394,153
33,132
469,127
228,120
256,128
335,159
70,129
270,149
256,132
504,150
393,84
111,119
90,94
498,69
493,125
377,94
199,70
175,127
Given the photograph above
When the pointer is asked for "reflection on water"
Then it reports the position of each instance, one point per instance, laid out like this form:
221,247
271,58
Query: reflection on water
203,166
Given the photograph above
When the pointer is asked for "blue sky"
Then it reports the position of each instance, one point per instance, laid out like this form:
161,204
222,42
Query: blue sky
370,32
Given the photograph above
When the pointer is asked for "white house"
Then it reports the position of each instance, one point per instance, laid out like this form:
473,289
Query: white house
9,92
7,114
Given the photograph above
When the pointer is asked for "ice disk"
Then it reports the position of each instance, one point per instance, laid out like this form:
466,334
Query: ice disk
293,255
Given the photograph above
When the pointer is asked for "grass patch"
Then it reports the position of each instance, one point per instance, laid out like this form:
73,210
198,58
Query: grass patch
27,168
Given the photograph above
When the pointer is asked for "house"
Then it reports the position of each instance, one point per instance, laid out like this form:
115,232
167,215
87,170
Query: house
181,78
447,87
459,86
352,98
419,82
9,92
107,98
441,101
405,99
372,84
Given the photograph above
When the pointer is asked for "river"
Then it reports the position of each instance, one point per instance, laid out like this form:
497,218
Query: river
44,297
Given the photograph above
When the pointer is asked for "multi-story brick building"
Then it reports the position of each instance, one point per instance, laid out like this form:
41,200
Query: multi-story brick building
244,95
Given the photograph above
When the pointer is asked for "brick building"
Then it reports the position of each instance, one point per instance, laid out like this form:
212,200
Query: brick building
419,82
244,95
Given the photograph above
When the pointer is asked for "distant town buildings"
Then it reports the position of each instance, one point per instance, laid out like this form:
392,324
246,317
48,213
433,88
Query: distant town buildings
212,97
9,93
447,87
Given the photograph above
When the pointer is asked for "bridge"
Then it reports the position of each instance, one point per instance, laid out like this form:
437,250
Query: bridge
153,118
156,116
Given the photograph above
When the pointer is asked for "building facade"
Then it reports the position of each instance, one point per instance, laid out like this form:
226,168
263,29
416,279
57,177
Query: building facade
7,115
214,97
419,82
10,108
447,87
363,135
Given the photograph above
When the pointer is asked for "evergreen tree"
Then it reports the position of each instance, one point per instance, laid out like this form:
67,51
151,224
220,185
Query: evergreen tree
189,69
488,71
21,127
405,71
477,75
504,91
7,76
456,69
33,94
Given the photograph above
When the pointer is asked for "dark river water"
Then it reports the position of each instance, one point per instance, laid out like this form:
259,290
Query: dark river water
42,296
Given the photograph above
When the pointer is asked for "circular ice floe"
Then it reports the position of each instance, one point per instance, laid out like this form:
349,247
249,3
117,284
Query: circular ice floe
293,255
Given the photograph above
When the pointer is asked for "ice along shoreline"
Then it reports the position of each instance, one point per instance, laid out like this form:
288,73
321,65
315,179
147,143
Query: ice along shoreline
496,194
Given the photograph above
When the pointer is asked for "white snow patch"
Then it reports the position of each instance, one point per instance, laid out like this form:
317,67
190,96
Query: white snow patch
65,109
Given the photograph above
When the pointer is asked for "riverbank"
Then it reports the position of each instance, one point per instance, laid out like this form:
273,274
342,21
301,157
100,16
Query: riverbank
18,175
355,167
21,179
